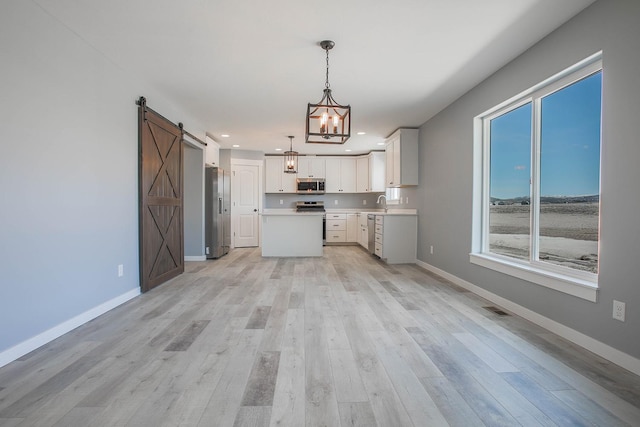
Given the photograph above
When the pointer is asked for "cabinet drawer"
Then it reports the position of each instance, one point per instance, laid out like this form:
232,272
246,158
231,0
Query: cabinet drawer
378,238
336,216
336,224
336,236
378,249
379,228
379,219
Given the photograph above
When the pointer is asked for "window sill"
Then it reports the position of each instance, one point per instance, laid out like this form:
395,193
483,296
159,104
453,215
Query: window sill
569,285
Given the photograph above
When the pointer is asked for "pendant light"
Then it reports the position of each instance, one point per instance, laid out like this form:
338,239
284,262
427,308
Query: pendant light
327,121
290,158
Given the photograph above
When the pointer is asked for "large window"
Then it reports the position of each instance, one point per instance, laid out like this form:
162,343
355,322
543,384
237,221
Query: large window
537,213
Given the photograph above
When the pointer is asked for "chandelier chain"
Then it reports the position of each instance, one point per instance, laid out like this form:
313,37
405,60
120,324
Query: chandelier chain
326,83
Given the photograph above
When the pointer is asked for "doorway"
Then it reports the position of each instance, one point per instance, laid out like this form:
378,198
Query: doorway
246,202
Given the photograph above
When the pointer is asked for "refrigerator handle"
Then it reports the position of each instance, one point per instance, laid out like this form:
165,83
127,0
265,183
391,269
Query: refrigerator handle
220,205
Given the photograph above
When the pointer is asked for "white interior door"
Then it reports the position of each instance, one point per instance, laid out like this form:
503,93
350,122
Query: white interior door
246,203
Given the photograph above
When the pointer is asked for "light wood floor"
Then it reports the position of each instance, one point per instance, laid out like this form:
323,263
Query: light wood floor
342,340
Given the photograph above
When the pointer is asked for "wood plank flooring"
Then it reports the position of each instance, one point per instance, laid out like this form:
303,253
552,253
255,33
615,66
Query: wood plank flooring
342,340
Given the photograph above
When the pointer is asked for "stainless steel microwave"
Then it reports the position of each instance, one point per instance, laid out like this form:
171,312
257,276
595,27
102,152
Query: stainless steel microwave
310,185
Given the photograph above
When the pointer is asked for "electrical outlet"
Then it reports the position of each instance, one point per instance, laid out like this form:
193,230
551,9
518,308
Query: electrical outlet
618,310
120,270
407,200
431,249
281,201
335,202
364,203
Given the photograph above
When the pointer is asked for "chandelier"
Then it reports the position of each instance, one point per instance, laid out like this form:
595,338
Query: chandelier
327,121
290,158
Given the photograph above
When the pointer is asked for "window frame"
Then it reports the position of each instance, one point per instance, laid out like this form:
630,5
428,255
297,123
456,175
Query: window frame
578,283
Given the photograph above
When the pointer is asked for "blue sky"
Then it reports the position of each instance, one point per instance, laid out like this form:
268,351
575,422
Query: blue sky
570,155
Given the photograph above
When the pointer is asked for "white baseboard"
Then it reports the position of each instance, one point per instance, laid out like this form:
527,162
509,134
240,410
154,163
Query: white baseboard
196,258
39,340
603,350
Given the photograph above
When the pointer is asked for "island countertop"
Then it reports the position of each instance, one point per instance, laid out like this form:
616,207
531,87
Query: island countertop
289,212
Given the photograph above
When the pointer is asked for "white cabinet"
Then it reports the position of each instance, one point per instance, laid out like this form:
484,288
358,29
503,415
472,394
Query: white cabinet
311,167
342,227
396,238
336,227
276,181
363,231
370,172
352,228
212,152
362,174
341,175
401,157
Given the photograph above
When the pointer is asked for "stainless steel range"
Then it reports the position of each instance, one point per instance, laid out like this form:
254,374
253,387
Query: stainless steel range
310,206
316,206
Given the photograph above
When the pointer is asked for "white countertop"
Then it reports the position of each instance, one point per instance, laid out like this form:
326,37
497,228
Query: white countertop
389,212
371,211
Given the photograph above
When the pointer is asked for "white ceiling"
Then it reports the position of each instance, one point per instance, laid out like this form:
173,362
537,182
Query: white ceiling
248,68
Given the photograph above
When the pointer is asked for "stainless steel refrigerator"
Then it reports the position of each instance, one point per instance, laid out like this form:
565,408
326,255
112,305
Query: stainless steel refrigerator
217,211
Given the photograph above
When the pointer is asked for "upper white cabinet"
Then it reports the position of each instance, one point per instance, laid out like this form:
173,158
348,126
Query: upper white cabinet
276,181
212,152
377,171
371,172
362,174
401,157
311,167
341,175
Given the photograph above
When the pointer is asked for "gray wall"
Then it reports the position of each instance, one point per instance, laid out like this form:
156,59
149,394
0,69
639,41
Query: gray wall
193,202
69,173
445,192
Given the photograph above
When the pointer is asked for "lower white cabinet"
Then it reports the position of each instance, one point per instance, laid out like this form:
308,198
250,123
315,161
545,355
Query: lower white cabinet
363,231
336,227
396,238
352,228
342,227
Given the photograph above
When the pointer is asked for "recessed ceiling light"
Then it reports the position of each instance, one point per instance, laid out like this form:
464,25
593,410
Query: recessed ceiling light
235,146
225,135
348,149
362,133
278,149
380,143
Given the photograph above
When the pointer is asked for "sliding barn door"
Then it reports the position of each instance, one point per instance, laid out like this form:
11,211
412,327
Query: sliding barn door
161,199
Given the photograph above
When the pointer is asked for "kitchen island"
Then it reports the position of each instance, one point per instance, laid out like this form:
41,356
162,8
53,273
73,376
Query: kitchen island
287,233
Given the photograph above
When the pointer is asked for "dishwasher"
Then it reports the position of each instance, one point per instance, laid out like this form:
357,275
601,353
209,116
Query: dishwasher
371,232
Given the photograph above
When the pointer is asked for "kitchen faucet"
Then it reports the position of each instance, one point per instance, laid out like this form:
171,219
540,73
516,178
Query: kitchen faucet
382,196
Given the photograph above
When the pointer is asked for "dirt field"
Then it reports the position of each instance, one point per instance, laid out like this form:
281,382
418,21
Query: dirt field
568,233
